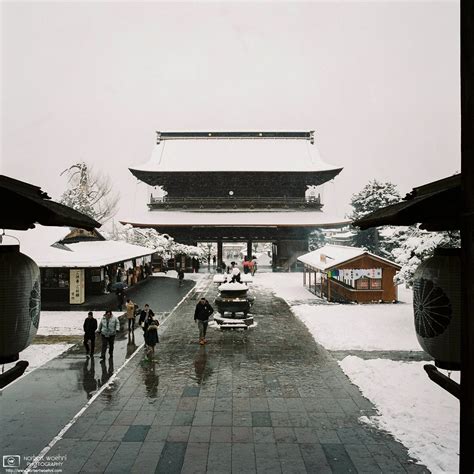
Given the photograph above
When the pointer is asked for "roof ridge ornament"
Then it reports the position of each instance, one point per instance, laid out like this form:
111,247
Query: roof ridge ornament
210,135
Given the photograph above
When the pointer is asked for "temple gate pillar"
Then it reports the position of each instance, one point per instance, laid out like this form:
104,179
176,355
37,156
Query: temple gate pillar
249,250
219,252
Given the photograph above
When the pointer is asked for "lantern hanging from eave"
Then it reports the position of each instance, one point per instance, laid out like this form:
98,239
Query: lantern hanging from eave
20,302
437,307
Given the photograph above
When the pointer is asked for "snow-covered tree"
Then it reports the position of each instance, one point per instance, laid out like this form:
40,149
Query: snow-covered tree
416,246
372,197
90,192
163,244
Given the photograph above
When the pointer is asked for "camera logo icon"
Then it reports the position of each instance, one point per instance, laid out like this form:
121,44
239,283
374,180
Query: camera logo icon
11,460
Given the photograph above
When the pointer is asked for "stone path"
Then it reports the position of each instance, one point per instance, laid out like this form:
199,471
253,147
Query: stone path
269,400
35,408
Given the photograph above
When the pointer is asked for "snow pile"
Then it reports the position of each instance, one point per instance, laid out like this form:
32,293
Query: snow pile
174,274
373,327
412,408
38,354
66,323
233,287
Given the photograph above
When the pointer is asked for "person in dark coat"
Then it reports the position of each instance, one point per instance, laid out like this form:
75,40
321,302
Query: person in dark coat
90,327
201,316
151,337
120,292
180,276
145,315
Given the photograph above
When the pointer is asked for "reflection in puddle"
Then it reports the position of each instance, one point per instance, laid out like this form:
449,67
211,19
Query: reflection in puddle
202,368
150,378
88,378
131,346
106,371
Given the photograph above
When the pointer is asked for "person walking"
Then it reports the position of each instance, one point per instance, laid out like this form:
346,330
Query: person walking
90,327
254,268
201,316
108,328
130,306
151,338
180,277
145,315
235,275
120,293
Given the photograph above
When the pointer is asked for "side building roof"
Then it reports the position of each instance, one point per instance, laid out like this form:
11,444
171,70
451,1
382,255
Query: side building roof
331,256
41,244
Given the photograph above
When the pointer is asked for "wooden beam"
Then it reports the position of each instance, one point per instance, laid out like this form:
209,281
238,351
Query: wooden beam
445,382
466,451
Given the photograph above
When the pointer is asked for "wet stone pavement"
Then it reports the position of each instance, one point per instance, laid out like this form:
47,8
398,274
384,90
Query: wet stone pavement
268,400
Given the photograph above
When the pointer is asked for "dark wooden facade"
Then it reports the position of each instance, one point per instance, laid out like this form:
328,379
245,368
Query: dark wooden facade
249,190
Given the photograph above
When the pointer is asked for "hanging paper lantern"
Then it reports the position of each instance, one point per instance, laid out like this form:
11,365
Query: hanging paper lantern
437,307
20,302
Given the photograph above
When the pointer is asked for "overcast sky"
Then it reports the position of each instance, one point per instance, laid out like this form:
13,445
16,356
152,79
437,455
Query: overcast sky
378,81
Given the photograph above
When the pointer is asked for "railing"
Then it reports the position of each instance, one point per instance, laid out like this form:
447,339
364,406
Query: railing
231,202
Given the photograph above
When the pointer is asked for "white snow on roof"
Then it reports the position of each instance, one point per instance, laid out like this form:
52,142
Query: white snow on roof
36,243
235,155
330,255
241,219
333,255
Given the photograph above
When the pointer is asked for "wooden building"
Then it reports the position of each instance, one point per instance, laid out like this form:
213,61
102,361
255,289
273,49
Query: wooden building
77,264
349,274
237,187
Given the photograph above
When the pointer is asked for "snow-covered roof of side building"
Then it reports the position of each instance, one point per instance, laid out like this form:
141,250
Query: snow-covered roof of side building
331,256
37,244
241,219
193,152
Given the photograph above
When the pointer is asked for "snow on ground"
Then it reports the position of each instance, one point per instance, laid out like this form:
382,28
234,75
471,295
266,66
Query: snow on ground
39,354
288,286
421,415
411,407
69,323
374,327
187,276
66,323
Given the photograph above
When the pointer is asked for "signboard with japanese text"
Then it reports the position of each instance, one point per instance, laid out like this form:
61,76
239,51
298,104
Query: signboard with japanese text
76,287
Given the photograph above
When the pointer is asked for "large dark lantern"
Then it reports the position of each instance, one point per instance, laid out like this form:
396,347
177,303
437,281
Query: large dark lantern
19,302
437,307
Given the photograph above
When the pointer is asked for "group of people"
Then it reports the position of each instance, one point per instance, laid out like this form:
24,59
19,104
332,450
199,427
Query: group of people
109,326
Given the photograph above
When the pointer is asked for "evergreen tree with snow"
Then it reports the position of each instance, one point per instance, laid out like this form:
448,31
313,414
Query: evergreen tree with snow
316,240
418,245
372,197
90,192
